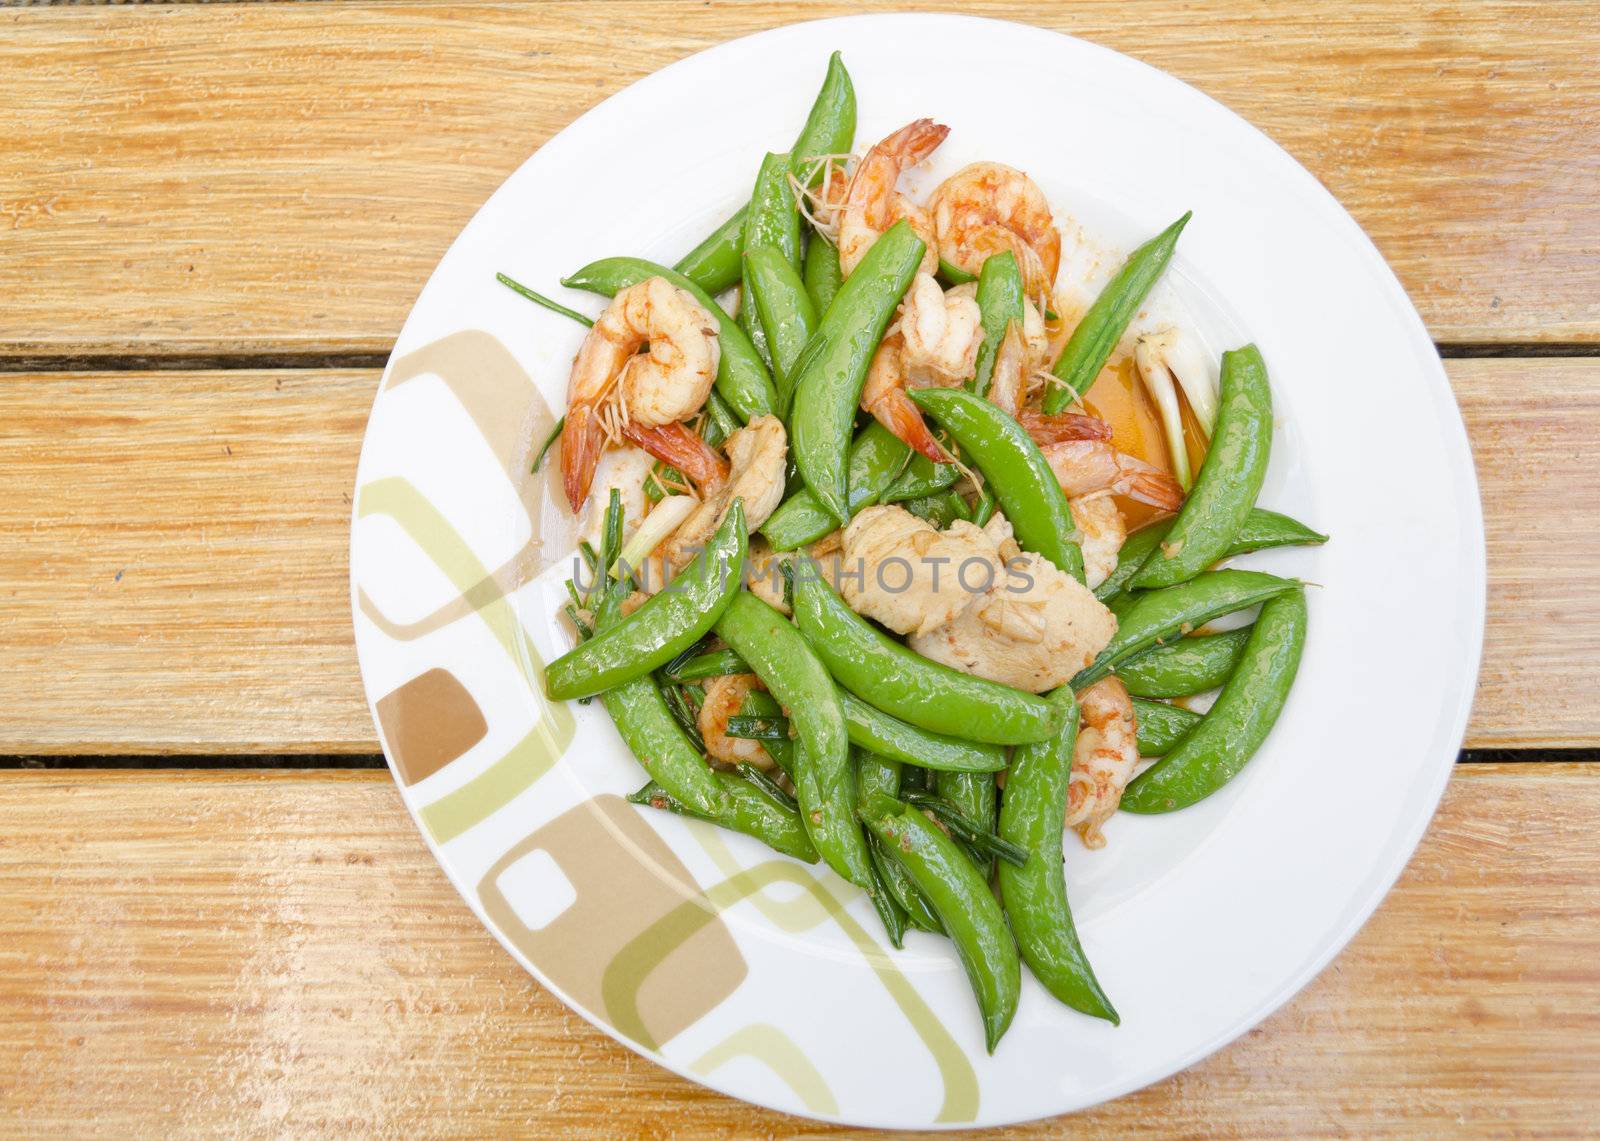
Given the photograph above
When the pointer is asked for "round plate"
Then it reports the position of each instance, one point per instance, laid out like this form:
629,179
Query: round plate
770,980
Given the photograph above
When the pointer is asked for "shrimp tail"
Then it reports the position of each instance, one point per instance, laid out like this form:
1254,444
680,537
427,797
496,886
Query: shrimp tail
894,410
915,141
677,446
582,439
1046,429
1155,489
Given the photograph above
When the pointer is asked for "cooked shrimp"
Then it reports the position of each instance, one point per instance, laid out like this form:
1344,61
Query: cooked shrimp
676,446
941,334
757,453
1101,533
724,698
872,205
1008,379
1035,332
935,342
884,397
613,384
987,208
1106,754
1085,466
1060,427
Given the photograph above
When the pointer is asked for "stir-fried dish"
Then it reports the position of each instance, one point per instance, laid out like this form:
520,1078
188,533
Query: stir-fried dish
898,558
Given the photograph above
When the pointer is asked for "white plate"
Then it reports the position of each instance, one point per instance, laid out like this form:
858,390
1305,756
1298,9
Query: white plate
771,985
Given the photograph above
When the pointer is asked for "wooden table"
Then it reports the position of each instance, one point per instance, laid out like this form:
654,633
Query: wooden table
215,915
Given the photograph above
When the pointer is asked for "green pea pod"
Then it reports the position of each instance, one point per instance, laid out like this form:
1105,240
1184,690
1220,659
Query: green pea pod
907,685
967,909
941,510
1162,615
648,728
974,795
1096,336
824,782
830,129
714,265
1229,480
772,220
954,274
876,457
1012,465
829,376
1000,302
665,626
750,810
822,274
773,217
894,739
1262,530
1189,665
921,478
787,316
782,754
1214,751
742,376
1161,726
1035,895
878,777
717,663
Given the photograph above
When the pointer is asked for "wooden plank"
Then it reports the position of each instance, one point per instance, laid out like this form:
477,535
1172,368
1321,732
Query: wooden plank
284,177
173,553
316,973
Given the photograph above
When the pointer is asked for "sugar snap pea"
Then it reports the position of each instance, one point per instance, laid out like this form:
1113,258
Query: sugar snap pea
1161,726
954,274
920,478
906,685
940,509
1012,465
665,626
824,781
750,809
1092,342
742,376
1160,615
829,375
649,729
714,264
1189,665
876,457
1000,302
889,737
787,316
821,272
1262,530
1214,751
1035,895
974,795
714,663
830,128
967,909
1229,480
771,221
878,777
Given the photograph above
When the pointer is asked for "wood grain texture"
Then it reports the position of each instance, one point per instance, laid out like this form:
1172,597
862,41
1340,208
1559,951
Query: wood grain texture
317,974
173,552
280,178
